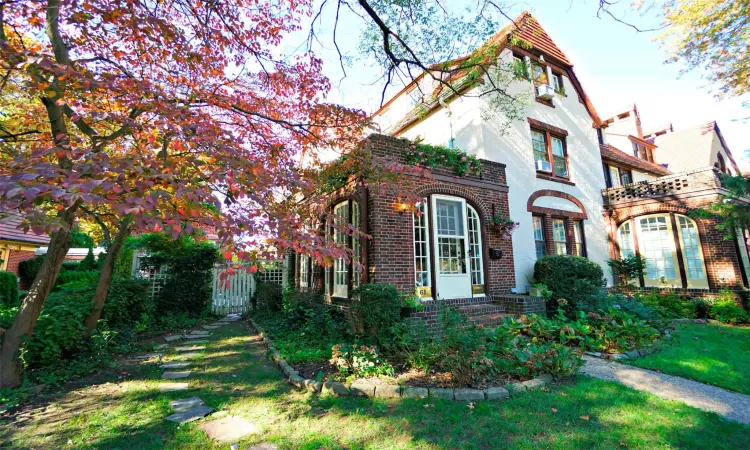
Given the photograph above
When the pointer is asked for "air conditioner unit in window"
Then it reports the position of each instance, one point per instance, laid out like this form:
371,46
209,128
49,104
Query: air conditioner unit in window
543,166
545,92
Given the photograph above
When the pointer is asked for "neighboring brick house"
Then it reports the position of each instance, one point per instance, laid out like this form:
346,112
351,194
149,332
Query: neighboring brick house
577,184
651,214
15,245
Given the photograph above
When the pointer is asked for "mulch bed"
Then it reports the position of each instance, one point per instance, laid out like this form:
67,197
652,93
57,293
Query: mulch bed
325,371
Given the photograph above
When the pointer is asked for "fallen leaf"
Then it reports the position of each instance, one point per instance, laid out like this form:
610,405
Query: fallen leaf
554,410
563,394
585,417
471,405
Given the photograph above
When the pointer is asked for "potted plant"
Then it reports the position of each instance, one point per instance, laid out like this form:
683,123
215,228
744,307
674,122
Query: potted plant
503,225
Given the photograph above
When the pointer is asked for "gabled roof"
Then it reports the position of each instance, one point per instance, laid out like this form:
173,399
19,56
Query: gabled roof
526,28
614,154
10,231
696,140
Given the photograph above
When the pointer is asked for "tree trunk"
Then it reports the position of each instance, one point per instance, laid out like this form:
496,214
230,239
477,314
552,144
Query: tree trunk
105,277
28,313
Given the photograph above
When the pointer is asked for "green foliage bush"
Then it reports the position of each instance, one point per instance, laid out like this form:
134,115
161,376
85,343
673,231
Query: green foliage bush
127,303
726,310
89,262
360,361
86,277
187,285
374,310
269,296
674,305
28,269
573,278
8,288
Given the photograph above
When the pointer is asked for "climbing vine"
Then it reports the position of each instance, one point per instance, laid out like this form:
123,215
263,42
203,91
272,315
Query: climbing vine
426,155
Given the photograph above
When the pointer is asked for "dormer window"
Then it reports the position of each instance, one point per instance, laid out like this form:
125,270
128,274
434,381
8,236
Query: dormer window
642,152
557,83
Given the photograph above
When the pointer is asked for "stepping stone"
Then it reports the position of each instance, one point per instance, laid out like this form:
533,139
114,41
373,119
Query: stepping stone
190,415
197,336
229,429
264,446
161,346
176,365
195,341
189,355
175,375
173,387
198,333
209,327
185,404
149,356
219,324
174,337
191,348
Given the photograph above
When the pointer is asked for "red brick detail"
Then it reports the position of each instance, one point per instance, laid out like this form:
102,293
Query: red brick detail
547,127
15,257
555,212
723,264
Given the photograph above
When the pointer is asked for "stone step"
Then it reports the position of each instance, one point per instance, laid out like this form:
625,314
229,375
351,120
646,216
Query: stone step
175,375
481,308
487,320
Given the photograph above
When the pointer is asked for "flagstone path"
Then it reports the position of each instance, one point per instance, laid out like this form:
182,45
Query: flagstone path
224,429
732,405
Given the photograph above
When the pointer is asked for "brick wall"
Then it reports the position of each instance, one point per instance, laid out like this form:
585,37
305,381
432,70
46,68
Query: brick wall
723,269
15,257
391,250
522,304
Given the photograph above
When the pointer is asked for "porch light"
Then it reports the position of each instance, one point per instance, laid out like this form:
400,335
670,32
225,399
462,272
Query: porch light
402,207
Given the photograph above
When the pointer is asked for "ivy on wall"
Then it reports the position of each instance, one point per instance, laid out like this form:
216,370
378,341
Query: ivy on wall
432,156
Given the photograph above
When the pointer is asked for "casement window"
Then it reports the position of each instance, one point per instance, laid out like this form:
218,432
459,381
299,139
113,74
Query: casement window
422,276
549,148
539,237
304,272
540,74
614,176
346,212
657,243
454,258
557,82
559,237
579,249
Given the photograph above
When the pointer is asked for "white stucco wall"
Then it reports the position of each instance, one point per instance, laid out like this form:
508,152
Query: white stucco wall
512,147
641,176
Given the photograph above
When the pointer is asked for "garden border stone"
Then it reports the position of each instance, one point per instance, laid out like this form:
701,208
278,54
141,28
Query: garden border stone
391,390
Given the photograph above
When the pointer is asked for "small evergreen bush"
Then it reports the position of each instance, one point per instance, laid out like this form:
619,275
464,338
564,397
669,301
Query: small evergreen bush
675,306
269,296
726,310
8,289
573,278
89,262
374,310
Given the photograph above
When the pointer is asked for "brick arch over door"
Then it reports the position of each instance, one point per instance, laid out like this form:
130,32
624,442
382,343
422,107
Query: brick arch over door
623,215
485,211
555,212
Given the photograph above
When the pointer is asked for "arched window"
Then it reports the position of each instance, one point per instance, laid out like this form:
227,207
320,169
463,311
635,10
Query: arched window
657,243
344,213
454,255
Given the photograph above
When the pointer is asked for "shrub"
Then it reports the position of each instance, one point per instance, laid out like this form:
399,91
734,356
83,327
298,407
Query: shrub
374,310
411,341
89,262
359,360
674,305
269,296
726,310
8,288
90,277
616,331
573,278
464,349
28,269
628,269
127,302
656,316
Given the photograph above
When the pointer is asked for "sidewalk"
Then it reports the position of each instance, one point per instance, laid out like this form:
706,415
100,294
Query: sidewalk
732,405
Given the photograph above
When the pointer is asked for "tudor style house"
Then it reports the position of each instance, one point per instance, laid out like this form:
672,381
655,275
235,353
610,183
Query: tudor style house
577,183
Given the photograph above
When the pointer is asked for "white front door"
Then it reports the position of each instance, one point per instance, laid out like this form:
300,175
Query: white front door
452,274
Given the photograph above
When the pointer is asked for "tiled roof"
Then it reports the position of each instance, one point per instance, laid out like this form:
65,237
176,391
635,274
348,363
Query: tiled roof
9,231
528,28
616,155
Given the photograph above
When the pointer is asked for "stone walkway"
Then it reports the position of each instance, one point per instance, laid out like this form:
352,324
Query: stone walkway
184,410
732,405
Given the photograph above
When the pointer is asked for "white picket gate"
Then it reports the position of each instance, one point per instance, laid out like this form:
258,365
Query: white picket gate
232,294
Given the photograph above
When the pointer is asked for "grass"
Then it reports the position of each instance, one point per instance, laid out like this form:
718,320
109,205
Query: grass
234,378
720,356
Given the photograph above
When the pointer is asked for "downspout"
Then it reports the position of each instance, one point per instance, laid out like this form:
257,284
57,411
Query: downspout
450,119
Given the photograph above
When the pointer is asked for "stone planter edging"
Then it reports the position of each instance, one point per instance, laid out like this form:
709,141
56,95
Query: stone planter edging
337,389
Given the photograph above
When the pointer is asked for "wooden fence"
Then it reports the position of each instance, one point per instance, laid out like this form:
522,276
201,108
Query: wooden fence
232,294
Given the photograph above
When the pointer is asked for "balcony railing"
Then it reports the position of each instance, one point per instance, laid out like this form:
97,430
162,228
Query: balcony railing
669,186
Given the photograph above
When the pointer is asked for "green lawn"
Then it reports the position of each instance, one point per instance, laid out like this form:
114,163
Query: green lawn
720,356
235,379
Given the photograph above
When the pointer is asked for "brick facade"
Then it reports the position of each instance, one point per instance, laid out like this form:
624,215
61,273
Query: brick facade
15,257
687,193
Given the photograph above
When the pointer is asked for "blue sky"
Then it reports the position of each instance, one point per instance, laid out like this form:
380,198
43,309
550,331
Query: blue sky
616,65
